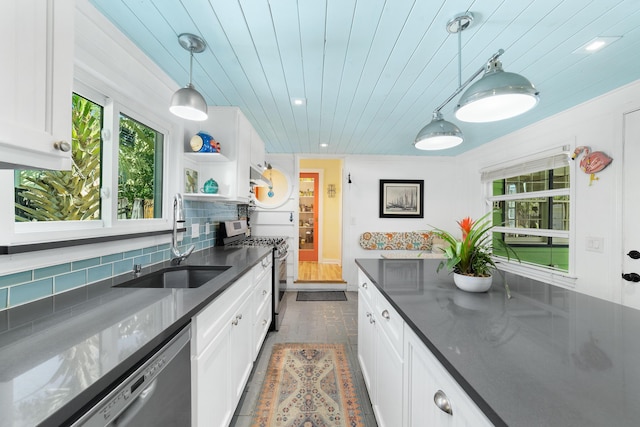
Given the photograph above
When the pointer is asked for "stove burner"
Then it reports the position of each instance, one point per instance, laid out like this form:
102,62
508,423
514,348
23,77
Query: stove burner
278,243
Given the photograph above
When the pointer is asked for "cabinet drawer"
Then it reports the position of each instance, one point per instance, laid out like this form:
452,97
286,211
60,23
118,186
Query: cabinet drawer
260,328
263,268
389,321
262,294
208,322
365,287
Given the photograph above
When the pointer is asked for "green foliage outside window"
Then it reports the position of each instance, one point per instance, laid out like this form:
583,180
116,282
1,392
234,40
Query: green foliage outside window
42,195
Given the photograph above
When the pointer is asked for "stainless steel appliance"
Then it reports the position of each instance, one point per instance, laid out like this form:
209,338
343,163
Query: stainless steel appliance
237,232
158,393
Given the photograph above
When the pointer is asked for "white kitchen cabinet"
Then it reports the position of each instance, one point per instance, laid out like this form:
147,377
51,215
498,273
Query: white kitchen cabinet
262,303
257,151
380,353
424,376
36,82
230,168
221,350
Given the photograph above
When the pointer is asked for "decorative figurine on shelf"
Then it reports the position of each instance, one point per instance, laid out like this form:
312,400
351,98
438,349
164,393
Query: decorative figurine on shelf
591,163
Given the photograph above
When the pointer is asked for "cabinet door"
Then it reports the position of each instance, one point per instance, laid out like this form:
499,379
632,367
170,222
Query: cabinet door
211,382
240,349
424,376
366,343
36,81
388,401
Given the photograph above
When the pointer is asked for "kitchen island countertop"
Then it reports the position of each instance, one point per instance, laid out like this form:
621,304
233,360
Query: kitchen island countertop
547,357
60,353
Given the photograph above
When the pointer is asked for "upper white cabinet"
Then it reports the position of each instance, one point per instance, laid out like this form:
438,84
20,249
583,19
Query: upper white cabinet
229,168
257,150
36,83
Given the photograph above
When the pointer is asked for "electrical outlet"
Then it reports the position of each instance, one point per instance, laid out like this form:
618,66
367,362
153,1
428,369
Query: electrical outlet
207,228
195,230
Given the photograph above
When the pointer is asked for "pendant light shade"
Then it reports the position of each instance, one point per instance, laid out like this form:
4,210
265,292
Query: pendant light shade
498,95
439,134
187,102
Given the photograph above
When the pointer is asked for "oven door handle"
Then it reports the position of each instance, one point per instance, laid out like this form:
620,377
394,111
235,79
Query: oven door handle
138,403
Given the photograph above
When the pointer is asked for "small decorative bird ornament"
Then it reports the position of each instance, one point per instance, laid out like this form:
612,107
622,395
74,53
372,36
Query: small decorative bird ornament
591,163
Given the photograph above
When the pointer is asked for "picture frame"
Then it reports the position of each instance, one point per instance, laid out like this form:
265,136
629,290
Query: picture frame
190,180
401,198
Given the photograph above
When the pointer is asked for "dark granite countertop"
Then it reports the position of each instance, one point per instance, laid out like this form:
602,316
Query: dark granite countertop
60,354
547,357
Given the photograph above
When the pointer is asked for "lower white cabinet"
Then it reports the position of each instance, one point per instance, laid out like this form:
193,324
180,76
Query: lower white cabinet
380,354
403,377
432,396
223,345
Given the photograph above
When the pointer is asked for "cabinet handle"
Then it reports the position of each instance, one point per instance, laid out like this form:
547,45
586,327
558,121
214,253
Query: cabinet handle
264,292
364,285
385,314
368,314
63,146
264,322
239,316
442,402
234,322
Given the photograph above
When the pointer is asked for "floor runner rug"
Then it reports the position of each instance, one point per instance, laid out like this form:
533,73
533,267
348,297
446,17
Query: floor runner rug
308,385
321,296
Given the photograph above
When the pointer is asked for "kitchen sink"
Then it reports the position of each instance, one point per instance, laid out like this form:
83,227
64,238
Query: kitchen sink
187,276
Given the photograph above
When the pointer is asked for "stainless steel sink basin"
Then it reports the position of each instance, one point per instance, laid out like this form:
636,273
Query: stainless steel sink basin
187,276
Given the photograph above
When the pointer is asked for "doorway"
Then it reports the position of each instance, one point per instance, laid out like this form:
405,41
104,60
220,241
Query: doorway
320,221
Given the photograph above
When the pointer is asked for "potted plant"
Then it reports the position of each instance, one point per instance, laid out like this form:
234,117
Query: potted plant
470,258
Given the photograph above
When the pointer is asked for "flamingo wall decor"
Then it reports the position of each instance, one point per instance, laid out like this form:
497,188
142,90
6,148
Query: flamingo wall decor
591,162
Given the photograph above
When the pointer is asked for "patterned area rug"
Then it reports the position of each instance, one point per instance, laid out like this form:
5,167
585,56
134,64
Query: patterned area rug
308,385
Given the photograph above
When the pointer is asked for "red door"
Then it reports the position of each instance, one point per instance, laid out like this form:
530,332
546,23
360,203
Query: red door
308,217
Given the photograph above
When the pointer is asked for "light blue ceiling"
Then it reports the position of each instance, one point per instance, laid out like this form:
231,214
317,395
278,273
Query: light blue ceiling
372,71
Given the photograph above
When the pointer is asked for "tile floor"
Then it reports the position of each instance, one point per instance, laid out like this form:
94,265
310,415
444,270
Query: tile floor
327,322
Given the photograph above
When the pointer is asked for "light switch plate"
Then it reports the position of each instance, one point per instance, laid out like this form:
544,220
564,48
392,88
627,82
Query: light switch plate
207,228
195,230
595,244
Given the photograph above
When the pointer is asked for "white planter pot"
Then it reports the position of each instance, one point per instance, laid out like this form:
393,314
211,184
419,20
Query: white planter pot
472,283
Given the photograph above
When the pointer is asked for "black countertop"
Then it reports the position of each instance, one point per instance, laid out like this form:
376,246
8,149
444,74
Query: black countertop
546,357
61,354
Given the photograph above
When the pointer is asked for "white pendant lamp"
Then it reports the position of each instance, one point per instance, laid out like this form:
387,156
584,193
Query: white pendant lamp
187,102
498,95
439,134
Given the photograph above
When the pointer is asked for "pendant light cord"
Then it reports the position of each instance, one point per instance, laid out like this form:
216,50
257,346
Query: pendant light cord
190,66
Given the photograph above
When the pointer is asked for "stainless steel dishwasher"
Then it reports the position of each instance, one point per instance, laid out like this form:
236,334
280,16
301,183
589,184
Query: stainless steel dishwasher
158,393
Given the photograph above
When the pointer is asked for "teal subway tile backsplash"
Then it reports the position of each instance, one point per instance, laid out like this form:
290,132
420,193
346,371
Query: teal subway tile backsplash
15,278
112,258
68,281
30,285
21,294
100,272
53,270
85,263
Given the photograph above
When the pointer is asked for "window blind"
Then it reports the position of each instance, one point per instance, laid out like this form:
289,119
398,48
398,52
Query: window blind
537,165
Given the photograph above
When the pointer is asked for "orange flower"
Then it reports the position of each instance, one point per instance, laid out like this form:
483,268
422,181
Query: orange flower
465,225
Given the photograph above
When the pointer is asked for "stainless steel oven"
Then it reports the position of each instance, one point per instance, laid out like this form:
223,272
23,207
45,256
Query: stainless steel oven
279,288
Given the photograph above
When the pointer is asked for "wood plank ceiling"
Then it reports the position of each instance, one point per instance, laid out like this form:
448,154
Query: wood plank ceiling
372,71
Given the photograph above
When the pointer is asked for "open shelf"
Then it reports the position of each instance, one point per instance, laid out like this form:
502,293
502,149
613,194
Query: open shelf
206,157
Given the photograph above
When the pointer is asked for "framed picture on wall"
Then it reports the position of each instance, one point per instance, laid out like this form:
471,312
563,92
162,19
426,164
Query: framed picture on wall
401,198
190,181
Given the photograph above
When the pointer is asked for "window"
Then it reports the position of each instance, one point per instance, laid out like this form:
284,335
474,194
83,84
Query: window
532,203
133,162
139,170
74,195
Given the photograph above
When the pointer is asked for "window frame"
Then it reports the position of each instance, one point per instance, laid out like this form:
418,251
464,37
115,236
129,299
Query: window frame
113,105
489,174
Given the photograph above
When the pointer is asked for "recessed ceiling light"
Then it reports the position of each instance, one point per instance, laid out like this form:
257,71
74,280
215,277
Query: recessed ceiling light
596,44
299,102
324,144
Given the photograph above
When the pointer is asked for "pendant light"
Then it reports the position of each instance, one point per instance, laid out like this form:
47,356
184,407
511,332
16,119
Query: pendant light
498,95
187,102
439,134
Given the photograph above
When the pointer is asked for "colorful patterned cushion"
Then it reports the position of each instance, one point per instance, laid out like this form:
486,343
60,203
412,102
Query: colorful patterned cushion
410,240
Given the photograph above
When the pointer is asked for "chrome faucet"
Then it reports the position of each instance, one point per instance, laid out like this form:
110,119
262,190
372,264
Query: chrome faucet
178,217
